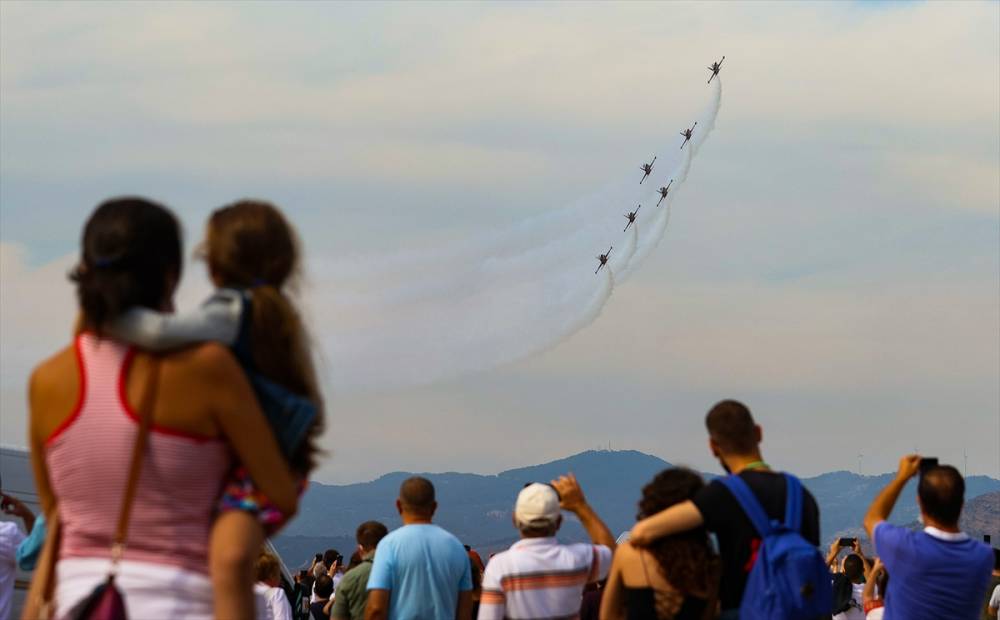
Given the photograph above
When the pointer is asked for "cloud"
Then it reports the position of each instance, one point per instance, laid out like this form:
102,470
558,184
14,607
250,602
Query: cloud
838,255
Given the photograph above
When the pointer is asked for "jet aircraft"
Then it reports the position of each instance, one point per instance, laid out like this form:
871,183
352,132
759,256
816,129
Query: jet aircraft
687,135
631,217
646,168
604,258
716,66
664,191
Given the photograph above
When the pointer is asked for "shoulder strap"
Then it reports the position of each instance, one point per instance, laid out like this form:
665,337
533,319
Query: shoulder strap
748,502
642,559
793,503
139,448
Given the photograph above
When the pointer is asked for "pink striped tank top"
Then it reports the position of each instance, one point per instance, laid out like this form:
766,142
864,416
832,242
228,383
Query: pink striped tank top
88,460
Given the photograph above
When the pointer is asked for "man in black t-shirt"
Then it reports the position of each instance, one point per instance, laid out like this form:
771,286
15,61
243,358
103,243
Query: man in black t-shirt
734,439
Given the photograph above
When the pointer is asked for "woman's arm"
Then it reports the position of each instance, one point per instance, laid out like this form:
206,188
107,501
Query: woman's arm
241,421
612,601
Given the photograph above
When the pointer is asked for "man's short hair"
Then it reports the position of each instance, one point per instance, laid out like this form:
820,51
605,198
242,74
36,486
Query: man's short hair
854,568
942,492
417,495
267,567
323,586
369,533
731,427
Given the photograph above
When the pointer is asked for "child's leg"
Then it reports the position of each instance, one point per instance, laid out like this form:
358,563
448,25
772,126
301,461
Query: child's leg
235,542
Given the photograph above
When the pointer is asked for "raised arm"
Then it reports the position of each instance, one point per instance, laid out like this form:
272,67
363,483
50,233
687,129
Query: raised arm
884,502
868,594
241,421
218,320
678,518
831,557
571,498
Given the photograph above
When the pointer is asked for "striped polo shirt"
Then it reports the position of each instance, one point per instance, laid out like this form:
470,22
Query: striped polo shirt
540,578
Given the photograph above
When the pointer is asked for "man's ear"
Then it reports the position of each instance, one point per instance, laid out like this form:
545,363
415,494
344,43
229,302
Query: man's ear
558,522
714,448
399,506
434,508
758,433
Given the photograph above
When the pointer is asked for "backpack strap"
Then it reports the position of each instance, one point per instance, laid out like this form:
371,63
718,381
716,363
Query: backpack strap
748,502
793,503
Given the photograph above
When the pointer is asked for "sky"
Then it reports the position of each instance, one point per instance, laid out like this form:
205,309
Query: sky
834,260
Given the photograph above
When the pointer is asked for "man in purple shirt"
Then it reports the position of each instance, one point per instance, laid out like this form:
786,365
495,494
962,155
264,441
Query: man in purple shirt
938,572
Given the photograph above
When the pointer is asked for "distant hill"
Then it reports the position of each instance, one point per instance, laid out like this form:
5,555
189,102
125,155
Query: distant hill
982,516
477,508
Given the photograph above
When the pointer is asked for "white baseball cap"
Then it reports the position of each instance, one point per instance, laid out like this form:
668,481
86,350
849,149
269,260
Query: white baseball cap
537,505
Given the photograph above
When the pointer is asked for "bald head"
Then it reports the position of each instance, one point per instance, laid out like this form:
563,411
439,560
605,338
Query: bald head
416,497
942,493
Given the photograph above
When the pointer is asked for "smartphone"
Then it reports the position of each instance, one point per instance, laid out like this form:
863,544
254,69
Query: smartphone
986,538
847,542
928,463
996,559
319,557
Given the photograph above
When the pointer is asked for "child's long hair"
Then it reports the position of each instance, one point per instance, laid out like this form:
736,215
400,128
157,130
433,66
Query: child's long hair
250,245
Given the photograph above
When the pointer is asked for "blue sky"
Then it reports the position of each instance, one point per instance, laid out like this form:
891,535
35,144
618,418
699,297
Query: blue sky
835,259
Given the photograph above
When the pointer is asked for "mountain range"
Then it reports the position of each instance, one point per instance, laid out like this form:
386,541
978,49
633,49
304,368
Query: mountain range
477,508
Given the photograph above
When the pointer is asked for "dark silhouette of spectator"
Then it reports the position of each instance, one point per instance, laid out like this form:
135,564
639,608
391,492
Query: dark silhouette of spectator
323,588
938,572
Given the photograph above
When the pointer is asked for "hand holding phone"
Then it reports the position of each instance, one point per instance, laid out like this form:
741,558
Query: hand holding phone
927,463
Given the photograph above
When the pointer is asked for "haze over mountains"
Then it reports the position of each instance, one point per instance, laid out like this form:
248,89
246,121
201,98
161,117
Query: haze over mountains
477,508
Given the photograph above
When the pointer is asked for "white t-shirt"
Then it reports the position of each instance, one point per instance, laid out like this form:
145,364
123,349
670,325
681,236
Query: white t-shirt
10,537
272,604
875,614
857,610
995,600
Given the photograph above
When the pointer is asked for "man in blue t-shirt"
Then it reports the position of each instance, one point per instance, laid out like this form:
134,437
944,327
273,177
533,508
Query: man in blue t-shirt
938,572
420,572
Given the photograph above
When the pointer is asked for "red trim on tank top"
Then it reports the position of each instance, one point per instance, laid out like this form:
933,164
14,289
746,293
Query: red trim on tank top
157,428
81,398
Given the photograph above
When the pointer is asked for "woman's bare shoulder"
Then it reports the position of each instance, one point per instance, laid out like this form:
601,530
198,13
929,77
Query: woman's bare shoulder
209,359
55,372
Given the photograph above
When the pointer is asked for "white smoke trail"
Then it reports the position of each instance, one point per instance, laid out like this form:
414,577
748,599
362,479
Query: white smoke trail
413,318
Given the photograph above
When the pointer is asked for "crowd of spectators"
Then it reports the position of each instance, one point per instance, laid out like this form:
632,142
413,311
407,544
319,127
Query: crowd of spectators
691,554
233,404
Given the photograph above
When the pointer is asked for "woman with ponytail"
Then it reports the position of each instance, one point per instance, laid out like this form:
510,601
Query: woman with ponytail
119,435
253,259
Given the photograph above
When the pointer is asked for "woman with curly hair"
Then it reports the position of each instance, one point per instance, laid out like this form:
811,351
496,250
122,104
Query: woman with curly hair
674,578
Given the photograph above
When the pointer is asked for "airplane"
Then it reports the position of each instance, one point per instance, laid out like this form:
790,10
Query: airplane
631,217
687,134
604,258
647,168
664,191
715,69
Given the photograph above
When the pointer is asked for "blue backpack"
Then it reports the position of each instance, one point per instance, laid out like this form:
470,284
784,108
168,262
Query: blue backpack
789,580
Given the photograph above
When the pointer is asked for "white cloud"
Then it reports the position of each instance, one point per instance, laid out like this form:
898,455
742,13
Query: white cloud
834,246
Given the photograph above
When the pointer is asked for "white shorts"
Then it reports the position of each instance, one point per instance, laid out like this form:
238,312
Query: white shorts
151,591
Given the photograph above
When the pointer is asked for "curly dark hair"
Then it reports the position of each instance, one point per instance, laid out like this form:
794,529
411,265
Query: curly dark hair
686,558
